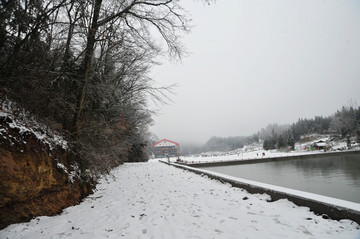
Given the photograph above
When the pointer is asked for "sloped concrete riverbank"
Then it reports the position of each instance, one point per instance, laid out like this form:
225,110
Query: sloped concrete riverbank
329,207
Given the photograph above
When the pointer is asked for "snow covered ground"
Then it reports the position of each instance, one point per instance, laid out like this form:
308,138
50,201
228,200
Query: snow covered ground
256,154
154,200
256,151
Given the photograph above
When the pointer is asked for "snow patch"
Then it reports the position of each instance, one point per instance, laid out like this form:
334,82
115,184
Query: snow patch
74,173
23,122
62,166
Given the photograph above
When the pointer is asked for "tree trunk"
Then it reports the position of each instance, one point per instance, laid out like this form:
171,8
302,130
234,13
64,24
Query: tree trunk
67,45
89,51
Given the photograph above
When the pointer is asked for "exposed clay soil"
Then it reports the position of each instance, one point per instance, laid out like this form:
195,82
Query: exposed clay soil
31,184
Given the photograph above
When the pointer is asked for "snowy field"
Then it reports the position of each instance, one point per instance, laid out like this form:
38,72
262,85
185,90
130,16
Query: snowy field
257,154
256,151
154,200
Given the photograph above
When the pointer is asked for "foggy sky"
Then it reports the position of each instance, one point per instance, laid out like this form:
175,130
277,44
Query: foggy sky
255,62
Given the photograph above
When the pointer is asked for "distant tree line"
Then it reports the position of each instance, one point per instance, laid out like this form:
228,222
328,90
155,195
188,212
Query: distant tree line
345,123
82,66
224,144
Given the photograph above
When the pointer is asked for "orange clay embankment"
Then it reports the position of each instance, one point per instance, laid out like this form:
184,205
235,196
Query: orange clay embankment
31,184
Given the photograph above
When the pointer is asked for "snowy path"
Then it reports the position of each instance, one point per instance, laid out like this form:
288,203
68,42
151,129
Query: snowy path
154,200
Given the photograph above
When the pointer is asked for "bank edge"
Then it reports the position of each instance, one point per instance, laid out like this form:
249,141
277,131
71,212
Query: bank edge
333,208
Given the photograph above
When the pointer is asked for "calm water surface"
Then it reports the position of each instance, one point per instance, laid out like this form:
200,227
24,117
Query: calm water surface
333,176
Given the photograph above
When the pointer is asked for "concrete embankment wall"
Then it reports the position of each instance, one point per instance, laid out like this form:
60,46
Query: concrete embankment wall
270,159
327,209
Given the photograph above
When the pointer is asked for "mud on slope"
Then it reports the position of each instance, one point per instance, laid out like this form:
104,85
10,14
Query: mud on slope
34,177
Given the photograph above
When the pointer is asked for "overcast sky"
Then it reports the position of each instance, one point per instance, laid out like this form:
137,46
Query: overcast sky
256,62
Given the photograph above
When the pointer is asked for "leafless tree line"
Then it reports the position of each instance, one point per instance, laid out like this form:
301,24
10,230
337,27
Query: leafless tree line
83,66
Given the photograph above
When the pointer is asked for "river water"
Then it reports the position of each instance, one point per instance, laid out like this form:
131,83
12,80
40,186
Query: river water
333,176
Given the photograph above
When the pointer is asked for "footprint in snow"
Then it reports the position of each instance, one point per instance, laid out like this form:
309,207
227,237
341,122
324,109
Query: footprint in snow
305,231
218,231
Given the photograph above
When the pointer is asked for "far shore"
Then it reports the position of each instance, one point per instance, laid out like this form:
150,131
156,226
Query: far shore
225,160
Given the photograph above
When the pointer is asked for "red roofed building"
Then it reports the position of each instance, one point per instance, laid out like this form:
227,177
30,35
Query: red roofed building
166,148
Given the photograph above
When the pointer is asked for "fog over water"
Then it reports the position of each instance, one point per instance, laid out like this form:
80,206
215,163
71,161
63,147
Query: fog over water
252,63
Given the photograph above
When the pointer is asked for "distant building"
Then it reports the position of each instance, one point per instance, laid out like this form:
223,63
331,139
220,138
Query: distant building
166,148
319,145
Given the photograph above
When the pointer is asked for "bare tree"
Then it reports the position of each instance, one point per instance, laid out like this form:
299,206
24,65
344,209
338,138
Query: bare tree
85,65
139,16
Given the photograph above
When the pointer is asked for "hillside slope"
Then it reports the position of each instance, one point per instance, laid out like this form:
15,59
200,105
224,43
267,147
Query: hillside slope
34,172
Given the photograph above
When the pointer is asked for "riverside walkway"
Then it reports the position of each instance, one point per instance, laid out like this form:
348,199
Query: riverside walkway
155,200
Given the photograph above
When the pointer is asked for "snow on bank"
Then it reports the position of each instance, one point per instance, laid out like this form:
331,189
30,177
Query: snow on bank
26,124
257,154
154,200
15,118
288,191
256,151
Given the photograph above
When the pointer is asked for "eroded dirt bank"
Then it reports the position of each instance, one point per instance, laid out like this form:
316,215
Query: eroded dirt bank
33,181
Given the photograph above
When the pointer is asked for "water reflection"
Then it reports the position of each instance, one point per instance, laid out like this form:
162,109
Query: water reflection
334,176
